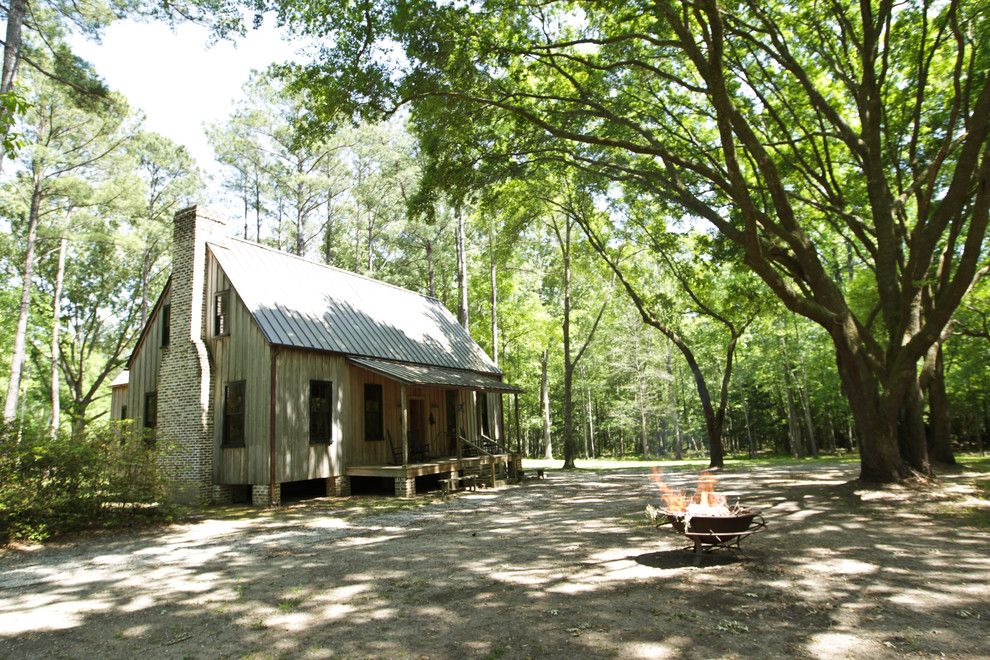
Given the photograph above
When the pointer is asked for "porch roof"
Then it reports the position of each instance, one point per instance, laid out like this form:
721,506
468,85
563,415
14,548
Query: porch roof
420,374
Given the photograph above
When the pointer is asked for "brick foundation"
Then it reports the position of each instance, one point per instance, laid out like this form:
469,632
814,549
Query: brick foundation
405,487
261,495
222,494
338,486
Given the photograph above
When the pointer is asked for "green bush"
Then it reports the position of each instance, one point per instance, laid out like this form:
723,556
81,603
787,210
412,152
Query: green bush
107,477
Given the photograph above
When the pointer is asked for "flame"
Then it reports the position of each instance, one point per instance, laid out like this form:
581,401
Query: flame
704,502
675,501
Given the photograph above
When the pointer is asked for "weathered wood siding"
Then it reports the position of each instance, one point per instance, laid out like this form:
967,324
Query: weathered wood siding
298,458
358,451
243,354
118,399
143,376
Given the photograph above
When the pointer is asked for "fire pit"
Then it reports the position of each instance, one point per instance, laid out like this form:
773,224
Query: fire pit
705,517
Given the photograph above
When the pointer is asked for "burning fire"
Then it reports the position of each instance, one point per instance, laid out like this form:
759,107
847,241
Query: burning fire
704,502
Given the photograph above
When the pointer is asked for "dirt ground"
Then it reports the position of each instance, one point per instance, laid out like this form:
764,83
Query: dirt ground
561,568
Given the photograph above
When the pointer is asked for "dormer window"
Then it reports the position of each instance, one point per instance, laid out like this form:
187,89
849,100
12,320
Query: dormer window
166,324
221,313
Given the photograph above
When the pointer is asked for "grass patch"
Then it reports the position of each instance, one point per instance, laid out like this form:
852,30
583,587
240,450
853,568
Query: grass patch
690,464
974,462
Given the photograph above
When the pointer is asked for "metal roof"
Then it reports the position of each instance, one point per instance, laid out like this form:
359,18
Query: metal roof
304,304
122,379
417,374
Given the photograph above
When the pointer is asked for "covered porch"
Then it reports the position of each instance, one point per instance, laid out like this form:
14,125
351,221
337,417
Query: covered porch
451,423
491,470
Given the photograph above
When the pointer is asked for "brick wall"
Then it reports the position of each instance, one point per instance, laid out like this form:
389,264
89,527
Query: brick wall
185,402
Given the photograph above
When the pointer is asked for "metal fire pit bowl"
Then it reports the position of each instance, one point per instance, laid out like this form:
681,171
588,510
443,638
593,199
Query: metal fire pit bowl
708,532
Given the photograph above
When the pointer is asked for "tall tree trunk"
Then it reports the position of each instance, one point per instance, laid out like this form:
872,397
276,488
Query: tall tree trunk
11,56
56,326
806,408
674,410
301,211
793,425
644,439
247,205
12,43
545,404
462,274
257,209
494,296
749,434
20,335
875,427
910,425
431,269
569,449
591,425
370,236
939,421
831,433
145,274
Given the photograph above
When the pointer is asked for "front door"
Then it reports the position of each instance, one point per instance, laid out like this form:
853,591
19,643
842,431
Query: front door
418,447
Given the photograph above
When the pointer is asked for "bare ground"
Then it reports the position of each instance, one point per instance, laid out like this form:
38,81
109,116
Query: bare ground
564,567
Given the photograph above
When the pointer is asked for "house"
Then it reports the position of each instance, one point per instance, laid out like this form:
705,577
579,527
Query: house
262,368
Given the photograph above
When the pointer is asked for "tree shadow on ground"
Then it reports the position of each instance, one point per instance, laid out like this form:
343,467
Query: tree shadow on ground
555,568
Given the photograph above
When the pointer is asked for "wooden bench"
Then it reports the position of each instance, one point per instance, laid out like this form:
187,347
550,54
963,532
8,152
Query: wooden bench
450,484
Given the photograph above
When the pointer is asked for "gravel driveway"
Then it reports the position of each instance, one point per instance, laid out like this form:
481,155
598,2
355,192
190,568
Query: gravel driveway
563,567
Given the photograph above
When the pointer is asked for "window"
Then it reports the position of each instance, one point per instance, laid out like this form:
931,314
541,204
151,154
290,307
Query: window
166,324
151,410
482,403
123,411
320,411
233,414
221,313
374,426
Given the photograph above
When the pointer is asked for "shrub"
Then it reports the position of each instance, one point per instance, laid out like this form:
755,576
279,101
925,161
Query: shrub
106,477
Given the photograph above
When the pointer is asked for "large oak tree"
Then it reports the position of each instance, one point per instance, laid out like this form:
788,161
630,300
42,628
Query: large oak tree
789,126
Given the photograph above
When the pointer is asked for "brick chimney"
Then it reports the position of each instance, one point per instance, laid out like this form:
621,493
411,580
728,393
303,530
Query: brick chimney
185,401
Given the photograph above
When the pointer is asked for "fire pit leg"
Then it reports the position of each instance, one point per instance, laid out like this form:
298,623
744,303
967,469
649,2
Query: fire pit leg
697,546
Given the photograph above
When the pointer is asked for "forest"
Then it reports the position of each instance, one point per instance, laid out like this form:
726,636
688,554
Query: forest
683,231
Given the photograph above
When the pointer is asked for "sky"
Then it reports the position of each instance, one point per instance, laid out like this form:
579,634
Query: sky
179,80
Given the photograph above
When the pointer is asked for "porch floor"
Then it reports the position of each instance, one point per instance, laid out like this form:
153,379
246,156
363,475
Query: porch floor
431,466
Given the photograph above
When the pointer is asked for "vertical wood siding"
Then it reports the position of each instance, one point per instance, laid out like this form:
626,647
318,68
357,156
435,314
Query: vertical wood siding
143,377
118,399
298,459
245,355
358,451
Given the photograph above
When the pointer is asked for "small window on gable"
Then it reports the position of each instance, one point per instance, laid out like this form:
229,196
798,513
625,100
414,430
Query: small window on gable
233,414
166,324
151,410
320,411
221,313
374,425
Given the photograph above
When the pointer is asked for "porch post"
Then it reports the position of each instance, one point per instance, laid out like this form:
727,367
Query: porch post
404,403
515,404
459,421
503,437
